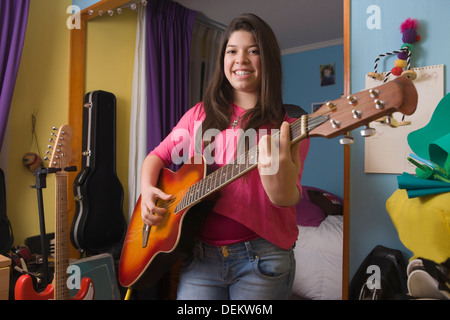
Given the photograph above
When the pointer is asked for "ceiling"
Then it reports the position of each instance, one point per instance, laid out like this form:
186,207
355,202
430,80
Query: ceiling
296,23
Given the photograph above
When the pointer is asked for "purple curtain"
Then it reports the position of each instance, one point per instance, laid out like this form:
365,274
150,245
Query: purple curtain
13,23
169,30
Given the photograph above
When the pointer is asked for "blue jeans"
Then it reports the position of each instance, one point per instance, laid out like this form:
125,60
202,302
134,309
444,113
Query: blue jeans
255,270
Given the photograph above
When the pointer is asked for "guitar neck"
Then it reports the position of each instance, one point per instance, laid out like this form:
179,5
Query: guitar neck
61,238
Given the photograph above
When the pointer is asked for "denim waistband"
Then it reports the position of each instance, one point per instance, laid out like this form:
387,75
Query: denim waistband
250,249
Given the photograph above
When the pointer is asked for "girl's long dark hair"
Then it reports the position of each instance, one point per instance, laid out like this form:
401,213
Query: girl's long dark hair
218,97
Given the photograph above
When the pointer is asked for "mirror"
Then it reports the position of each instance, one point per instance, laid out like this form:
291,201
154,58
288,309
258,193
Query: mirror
310,34
310,47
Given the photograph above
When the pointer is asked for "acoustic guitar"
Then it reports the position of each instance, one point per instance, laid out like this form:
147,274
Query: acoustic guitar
149,252
59,290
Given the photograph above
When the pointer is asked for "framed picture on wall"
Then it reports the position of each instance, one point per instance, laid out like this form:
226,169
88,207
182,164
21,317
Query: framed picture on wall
327,74
315,106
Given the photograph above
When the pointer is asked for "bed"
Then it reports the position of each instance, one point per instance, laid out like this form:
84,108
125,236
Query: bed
319,247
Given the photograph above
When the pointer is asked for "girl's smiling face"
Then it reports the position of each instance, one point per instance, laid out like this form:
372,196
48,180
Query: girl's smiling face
242,63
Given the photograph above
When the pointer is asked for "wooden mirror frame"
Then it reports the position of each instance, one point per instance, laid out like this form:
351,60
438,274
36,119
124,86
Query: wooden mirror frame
75,114
346,225
77,61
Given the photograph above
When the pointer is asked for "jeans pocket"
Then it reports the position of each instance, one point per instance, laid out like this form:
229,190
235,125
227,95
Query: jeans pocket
273,265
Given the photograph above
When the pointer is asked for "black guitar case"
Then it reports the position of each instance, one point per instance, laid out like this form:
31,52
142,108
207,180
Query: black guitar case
99,223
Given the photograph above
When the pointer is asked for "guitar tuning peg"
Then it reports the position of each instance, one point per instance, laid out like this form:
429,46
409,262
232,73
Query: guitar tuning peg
368,131
379,104
352,99
331,106
374,93
335,124
390,120
346,140
357,114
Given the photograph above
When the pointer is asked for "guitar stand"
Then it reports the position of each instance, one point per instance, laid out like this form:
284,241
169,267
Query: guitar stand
41,175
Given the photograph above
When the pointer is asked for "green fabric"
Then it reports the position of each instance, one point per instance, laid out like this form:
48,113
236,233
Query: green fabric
432,142
417,187
440,150
437,127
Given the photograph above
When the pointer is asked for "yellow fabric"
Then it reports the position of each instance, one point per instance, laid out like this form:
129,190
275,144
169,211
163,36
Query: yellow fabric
422,223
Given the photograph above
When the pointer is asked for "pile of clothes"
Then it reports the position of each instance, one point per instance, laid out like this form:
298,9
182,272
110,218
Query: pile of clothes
420,207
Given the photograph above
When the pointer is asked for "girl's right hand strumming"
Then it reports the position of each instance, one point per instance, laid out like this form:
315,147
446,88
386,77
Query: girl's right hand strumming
151,168
151,214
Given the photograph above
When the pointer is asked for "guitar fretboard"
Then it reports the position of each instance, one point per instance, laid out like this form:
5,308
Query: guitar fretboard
216,180
61,238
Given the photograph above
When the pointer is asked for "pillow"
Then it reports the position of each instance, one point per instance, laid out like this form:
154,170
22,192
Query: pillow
315,205
318,255
329,203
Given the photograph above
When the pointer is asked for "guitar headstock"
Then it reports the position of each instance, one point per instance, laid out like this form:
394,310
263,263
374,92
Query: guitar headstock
61,153
347,113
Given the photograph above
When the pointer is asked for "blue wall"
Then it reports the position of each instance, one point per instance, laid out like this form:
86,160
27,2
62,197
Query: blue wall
370,223
301,86
83,4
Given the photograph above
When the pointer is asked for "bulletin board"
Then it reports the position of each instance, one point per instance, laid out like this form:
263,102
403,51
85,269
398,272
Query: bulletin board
388,149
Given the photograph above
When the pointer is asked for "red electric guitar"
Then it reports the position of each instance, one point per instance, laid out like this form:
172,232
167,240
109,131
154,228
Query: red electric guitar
58,290
148,252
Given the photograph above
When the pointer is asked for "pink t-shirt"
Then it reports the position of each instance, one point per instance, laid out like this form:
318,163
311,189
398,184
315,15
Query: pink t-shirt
243,211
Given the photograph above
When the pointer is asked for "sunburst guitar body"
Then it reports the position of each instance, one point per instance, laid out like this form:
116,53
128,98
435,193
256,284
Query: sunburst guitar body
161,245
